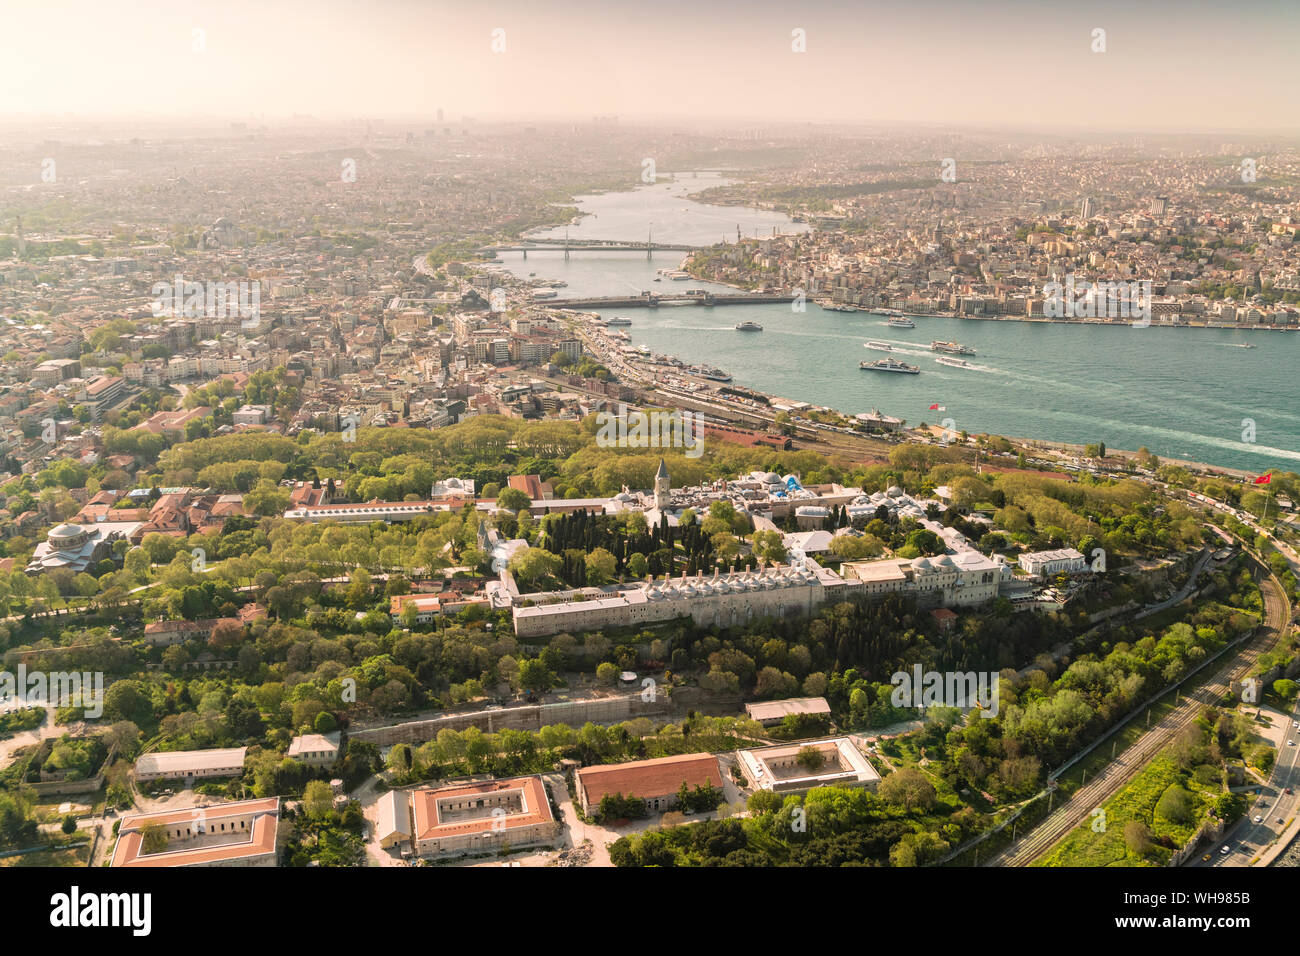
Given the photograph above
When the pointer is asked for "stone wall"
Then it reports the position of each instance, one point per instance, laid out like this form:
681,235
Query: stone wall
600,710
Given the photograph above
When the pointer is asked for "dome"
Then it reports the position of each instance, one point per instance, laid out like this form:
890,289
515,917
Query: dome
893,491
922,564
67,535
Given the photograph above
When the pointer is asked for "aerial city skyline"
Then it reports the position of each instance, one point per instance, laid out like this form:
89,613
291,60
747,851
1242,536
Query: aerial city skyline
612,437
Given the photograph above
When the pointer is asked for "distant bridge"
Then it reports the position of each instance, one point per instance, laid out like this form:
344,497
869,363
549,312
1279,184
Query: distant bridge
587,245
655,299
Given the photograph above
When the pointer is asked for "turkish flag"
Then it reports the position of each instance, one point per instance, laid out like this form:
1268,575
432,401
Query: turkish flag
1264,479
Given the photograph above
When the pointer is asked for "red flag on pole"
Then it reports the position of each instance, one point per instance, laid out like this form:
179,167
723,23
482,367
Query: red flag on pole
1264,479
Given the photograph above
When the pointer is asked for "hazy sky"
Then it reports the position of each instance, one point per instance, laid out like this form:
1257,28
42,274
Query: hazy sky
1167,65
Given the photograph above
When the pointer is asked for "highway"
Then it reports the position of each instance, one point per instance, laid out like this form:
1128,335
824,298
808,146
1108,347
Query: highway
1248,840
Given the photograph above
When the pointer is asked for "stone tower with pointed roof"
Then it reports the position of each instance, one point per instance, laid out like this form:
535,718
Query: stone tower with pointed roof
661,486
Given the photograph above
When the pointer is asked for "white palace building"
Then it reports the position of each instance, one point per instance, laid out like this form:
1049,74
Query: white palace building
721,600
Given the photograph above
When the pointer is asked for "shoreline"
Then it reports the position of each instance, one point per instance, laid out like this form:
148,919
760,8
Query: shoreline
1026,444
1035,320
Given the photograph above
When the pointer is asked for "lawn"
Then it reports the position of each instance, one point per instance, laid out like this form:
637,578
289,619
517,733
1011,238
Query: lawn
1106,846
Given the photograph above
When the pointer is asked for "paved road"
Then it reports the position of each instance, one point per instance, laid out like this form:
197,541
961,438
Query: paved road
1251,842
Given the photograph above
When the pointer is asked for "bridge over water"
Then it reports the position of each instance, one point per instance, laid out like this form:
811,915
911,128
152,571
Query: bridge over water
655,299
587,245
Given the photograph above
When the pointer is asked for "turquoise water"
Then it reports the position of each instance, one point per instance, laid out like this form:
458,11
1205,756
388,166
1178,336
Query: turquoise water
1183,393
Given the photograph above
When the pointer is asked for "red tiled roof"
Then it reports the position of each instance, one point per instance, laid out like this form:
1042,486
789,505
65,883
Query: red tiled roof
261,840
425,802
650,778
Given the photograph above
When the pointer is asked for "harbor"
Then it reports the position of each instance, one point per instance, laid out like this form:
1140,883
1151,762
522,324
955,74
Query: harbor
1050,379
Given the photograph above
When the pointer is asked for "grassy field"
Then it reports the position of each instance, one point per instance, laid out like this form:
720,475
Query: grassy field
1137,801
49,858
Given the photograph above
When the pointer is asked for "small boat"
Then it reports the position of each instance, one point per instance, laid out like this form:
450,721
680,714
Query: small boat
889,365
748,327
953,362
880,346
952,348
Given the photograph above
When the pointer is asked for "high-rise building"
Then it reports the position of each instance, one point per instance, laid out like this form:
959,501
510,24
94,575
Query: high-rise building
1085,208
1159,205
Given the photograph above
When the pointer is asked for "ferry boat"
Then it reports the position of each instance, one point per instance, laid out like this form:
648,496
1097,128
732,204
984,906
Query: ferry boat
889,365
831,307
952,348
954,363
880,346
618,320
891,313
748,327
898,322
713,374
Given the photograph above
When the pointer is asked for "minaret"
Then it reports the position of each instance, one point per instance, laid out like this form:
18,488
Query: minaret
661,486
